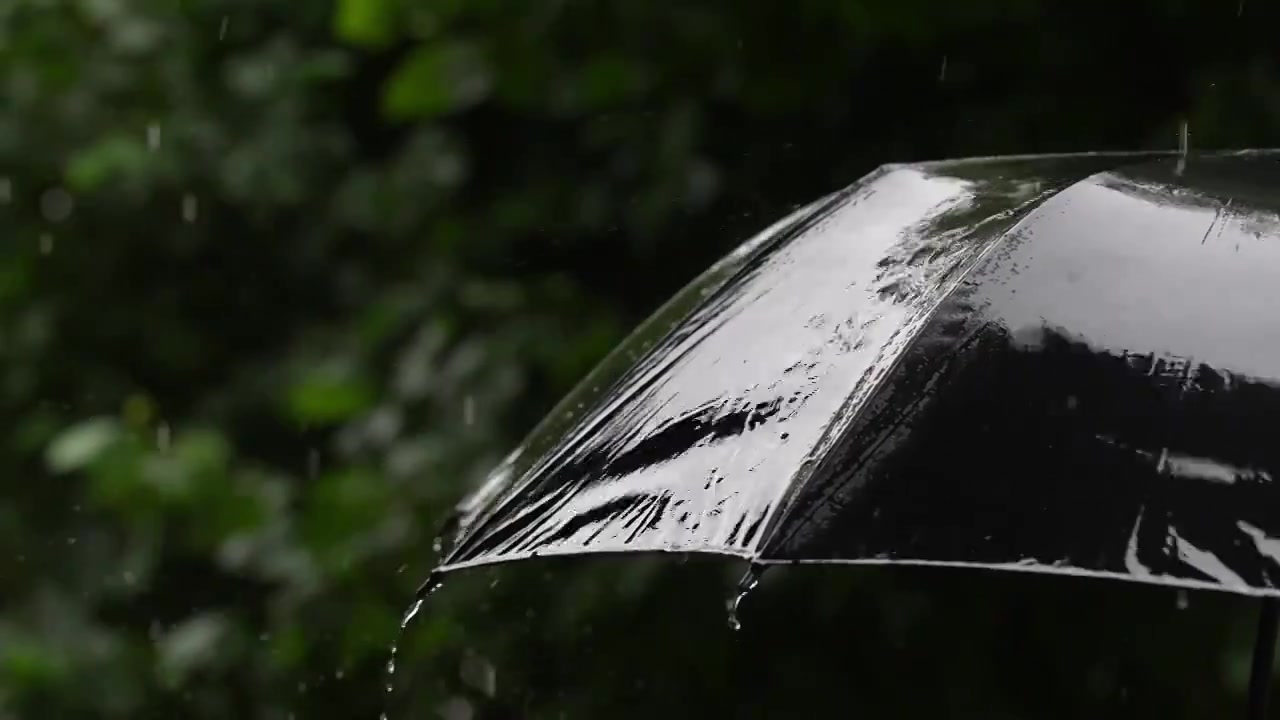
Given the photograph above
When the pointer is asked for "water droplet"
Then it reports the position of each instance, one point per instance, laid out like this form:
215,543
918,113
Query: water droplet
1240,9
190,208
163,435
469,410
71,541
1184,146
6,190
425,590
153,137
1184,600
56,205
222,29
437,544
46,244
748,583
338,673
942,72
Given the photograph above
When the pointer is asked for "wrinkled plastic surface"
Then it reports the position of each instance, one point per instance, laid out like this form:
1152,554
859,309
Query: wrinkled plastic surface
1063,364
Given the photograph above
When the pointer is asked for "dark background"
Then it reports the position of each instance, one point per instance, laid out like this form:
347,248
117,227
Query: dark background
279,279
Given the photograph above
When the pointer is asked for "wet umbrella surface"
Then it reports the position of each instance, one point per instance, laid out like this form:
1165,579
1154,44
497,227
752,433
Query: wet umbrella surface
1059,364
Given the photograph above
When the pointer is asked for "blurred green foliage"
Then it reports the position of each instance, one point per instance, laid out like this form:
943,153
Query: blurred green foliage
279,280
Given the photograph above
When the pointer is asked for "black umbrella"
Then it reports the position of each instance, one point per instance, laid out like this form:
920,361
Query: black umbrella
1063,364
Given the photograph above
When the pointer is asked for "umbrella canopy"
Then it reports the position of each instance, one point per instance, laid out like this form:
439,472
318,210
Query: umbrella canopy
1060,364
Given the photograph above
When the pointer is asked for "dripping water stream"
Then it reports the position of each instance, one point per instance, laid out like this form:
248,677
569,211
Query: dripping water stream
425,590
748,583
428,587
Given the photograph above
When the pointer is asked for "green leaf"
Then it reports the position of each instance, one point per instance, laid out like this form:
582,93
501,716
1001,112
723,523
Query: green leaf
105,161
342,507
611,80
203,451
81,444
437,79
366,23
29,663
326,396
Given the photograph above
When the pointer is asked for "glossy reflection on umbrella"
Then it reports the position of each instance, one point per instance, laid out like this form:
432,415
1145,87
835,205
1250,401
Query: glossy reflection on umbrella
1063,364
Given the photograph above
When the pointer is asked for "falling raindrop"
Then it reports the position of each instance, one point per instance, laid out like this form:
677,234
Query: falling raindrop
56,205
163,437
1240,9
1184,145
46,244
153,137
1184,601
942,72
469,410
748,583
222,29
190,208
6,190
